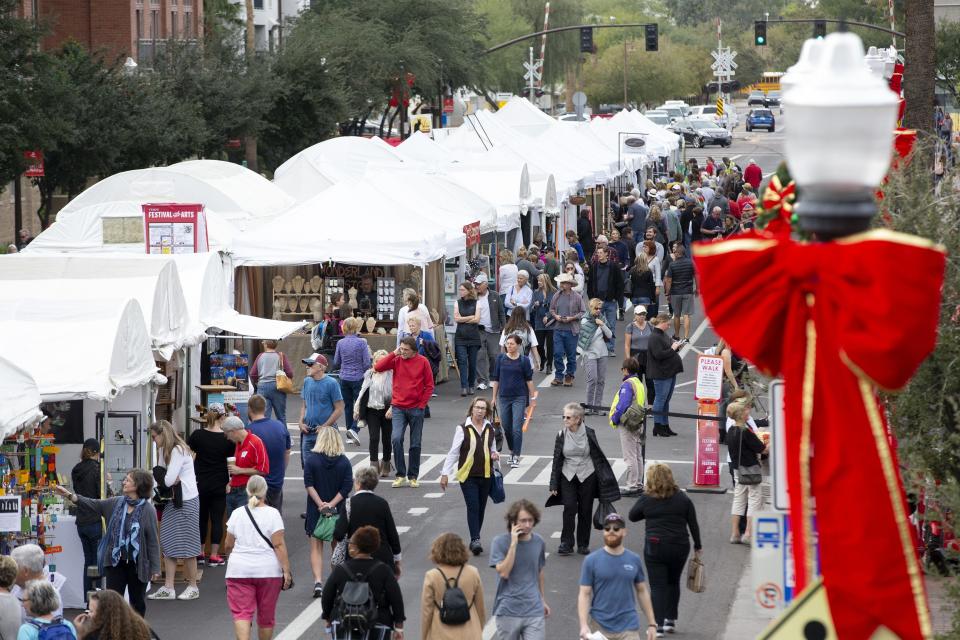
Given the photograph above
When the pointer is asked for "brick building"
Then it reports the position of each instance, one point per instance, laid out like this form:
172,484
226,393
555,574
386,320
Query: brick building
125,28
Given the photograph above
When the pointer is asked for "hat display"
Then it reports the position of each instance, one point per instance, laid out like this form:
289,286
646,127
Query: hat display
315,358
564,277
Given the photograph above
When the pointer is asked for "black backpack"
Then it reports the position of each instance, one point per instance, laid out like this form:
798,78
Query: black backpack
454,609
355,608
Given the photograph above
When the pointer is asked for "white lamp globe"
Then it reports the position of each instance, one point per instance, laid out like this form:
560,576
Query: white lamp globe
806,65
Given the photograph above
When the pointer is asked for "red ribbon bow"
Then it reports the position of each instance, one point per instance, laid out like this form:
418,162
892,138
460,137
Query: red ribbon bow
779,199
826,318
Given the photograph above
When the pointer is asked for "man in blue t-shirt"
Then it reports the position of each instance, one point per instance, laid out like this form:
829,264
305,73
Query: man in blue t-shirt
609,579
276,440
519,558
322,403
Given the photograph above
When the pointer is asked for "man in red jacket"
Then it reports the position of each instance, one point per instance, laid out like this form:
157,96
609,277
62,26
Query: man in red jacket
412,387
753,175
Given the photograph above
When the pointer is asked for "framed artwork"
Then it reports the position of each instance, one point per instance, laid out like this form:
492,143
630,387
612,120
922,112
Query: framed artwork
450,282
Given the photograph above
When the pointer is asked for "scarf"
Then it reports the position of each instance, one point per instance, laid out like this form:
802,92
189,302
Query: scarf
588,327
124,530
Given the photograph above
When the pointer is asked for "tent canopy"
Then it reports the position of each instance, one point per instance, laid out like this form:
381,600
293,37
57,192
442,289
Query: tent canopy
72,280
93,351
525,117
659,141
82,229
350,222
19,399
236,193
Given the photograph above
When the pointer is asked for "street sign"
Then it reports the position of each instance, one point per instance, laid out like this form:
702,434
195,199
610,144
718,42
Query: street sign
709,384
719,107
706,459
533,71
448,105
771,560
34,160
778,459
579,100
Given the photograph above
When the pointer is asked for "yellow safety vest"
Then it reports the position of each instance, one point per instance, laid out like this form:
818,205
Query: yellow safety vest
639,396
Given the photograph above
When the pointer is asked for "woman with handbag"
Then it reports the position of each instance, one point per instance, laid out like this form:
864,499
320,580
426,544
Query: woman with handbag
470,460
580,474
449,554
669,513
258,567
373,408
512,392
267,374
745,459
328,478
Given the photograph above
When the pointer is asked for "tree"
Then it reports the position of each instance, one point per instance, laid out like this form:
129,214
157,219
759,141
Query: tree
948,55
919,68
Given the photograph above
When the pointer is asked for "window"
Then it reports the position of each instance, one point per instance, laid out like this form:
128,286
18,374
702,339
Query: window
187,25
258,4
173,24
139,24
155,25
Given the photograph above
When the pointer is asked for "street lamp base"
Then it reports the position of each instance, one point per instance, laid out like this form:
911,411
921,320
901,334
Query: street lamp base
831,212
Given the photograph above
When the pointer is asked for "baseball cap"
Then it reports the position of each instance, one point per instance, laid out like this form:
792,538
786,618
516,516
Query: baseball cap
480,278
637,309
615,517
91,444
315,358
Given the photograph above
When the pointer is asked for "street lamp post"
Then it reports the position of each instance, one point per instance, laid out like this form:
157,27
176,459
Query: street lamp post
838,145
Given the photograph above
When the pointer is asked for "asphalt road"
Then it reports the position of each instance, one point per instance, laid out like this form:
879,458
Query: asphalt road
424,513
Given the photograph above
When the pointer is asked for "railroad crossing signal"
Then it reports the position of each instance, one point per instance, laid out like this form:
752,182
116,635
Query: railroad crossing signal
719,107
760,33
533,71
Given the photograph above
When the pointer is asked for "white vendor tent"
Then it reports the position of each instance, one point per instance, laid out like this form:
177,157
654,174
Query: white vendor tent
82,229
421,148
523,116
94,351
326,163
73,280
205,287
19,399
660,142
236,193
350,222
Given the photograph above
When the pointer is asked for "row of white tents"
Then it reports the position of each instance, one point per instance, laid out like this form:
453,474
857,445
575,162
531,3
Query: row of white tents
84,312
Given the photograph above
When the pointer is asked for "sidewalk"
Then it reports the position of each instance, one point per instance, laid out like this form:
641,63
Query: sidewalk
746,620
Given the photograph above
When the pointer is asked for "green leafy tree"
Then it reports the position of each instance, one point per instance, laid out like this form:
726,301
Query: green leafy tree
948,55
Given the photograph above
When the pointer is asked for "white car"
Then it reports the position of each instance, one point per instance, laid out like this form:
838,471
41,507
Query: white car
708,112
661,118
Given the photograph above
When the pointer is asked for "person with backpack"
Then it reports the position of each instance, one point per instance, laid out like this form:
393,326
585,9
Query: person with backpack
362,598
627,415
451,603
41,602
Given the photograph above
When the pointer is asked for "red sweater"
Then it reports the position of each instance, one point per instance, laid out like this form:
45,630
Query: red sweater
753,174
412,380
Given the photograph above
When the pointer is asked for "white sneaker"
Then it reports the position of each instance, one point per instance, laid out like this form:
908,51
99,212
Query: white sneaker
514,462
352,437
482,385
190,593
163,594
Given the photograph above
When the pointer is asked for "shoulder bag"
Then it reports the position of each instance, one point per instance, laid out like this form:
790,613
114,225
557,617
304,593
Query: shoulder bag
339,555
696,575
497,492
284,384
747,475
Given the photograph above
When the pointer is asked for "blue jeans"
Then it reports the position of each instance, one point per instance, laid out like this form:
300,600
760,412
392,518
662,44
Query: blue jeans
609,313
90,535
351,391
307,442
511,418
475,494
661,404
564,344
236,498
275,400
402,418
467,364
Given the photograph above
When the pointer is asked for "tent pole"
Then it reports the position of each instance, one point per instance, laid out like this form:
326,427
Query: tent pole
102,438
423,283
186,394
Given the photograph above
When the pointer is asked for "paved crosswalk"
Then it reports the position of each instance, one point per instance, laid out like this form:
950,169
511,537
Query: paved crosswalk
533,470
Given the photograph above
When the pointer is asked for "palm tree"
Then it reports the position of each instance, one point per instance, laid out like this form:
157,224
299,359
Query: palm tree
919,74
250,141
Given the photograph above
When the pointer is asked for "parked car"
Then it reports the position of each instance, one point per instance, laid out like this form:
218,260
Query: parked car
675,113
761,119
704,112
756,97
700,133
661,118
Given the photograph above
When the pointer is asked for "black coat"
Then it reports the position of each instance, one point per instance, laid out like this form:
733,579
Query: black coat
662,361
614,282
585,236
371,509
607,486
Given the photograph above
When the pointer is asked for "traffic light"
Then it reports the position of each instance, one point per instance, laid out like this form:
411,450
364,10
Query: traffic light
819,29
760,33
586,40
652,37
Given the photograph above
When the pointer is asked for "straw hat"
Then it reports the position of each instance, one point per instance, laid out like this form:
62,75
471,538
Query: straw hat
565,277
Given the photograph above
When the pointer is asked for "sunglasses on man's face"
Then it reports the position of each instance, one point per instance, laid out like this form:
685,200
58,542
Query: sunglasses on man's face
613,527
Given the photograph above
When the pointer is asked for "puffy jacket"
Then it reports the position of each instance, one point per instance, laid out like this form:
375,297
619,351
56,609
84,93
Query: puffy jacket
662,360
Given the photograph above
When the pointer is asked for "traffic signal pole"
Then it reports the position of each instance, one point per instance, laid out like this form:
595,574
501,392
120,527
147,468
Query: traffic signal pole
502,45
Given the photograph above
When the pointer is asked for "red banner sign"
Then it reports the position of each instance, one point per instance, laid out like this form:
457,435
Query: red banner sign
175,228
448,105
34,160
472,232
706,464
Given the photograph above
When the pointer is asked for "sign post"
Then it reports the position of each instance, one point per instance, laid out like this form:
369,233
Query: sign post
708,391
